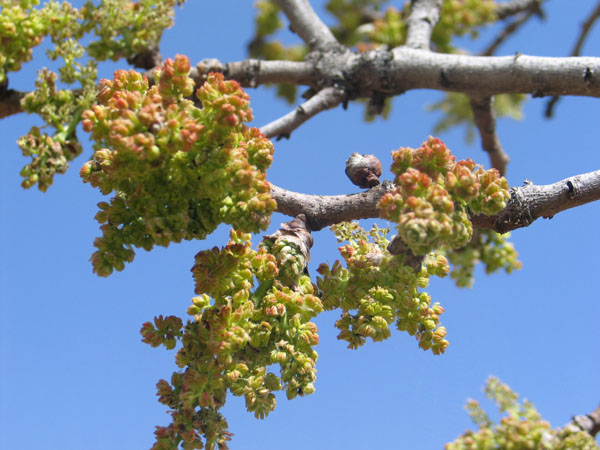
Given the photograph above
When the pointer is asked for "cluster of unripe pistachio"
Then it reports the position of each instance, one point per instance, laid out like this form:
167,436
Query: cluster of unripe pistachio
253,311
434,196
521,428
376,289
176,171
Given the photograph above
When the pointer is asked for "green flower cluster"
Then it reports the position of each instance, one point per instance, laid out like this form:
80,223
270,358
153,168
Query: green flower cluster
376,289
62,109
521,428
434,195
459,17
22,27
176,171
238,331
488,247
125,28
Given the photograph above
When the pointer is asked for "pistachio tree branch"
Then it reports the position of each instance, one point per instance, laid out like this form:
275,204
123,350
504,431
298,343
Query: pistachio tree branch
527,203
485,120
513,7
424,14
327,98
10,102
585,30
590,423
305,22
385,74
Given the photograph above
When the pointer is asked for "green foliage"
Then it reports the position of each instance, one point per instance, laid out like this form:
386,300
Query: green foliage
521,428
237,333
176,171
488,247
434,196
376,289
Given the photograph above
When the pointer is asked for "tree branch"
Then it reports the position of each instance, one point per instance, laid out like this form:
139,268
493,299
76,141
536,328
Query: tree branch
590,423
513,7
327,98
424,14
485,120
527,203
305,22
585,29
10,102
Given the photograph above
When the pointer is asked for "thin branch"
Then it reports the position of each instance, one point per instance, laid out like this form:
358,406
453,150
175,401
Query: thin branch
508,31
327,98
527,203
485,120
513,7
424,14
585,30
305,22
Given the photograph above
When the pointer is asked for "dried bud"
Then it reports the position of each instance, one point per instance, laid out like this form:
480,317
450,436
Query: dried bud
363,170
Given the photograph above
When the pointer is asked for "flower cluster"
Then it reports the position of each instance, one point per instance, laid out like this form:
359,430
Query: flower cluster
459,17
176,171
238,331
22,27
376,289
521,428
434,195
125,28
488,247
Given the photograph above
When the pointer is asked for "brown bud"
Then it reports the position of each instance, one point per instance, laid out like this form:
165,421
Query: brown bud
363,170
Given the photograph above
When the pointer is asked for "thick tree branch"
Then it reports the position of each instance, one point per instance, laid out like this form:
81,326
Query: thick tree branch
485,120
383,73
585,29
527,203
424,14
327,98
305,22
516,6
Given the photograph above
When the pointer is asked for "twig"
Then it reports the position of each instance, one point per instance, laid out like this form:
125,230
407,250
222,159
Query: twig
527,203
424,14
585,29
513,7
485,120
509,30
305,22
325,99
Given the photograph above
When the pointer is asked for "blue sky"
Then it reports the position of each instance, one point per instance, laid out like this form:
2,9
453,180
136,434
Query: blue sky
76,376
